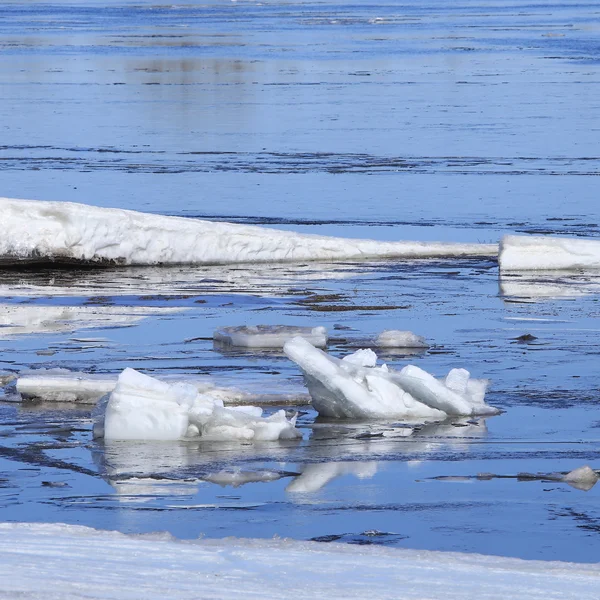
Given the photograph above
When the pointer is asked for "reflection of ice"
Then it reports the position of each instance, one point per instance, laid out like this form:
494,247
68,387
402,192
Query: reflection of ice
316,476
63,231
550,284
356,388
17,320
543,253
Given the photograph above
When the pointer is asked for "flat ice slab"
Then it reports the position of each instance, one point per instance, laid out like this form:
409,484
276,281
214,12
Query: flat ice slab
62,385
39,560
268,336
547,253
143,408
62,231
356,388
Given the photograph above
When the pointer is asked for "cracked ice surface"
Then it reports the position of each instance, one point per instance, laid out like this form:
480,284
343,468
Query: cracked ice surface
62,231
354,387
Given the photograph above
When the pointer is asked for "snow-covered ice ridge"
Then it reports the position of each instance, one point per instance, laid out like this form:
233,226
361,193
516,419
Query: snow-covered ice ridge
41,560
42,231
546,253
355,388
143,408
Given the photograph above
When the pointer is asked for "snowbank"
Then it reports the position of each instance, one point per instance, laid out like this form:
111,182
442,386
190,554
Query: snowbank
143,408
355,388
68,562
268,336
543,253
62,231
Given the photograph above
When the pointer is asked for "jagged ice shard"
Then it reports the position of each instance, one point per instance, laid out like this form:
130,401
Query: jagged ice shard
143,408
355,388
39,231
546,253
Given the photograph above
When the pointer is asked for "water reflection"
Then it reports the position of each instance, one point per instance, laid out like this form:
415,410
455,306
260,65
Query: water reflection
548,285
331,451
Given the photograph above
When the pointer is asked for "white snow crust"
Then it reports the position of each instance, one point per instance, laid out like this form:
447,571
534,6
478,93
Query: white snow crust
63,231
394,338
354,388
39,561
268,336
543,253
143,408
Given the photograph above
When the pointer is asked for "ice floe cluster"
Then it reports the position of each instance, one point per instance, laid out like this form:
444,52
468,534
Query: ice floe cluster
62,231
356,388
143,408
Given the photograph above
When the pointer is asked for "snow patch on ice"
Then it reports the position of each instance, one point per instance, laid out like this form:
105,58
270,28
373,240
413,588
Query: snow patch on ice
355,388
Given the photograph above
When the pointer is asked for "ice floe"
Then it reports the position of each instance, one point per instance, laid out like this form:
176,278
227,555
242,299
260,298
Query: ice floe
268,336
394,338
41,231
355,388
543,253
143,408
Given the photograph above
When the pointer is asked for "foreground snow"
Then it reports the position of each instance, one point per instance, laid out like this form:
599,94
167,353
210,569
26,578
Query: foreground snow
143,408
354,387
65,562
547,253
63,231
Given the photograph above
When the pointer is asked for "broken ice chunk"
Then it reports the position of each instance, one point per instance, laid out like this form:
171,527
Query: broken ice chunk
582,478
269,336
394,338
358,389
143,408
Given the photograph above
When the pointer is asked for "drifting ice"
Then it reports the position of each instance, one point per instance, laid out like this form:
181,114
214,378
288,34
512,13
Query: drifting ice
544,253
393,338
144,408
355,388
62,231
269,336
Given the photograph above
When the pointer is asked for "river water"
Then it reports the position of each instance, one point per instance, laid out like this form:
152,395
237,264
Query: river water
417,121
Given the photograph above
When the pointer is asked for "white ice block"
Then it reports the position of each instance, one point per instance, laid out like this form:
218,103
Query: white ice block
547,253
356,389
62,231
143,408
268,336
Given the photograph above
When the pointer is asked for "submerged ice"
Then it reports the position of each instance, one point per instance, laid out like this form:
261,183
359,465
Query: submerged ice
143,408
41,231
356,388
268,336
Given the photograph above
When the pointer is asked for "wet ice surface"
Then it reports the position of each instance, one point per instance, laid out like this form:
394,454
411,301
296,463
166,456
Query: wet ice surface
453,124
